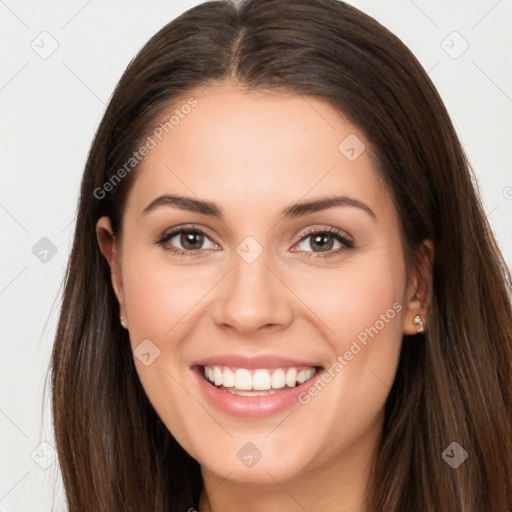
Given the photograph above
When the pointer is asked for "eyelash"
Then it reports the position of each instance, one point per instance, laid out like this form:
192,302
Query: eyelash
335,233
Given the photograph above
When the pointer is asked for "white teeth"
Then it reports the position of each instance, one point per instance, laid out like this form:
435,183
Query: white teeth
301,376
217,376
261,380
257,380
291,377
239,392
228,378
243,379
305,375
278,379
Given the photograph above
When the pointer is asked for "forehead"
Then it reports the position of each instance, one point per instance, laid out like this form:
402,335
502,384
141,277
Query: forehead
253,148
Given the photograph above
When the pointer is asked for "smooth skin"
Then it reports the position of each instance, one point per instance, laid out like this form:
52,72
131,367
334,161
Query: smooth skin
253,154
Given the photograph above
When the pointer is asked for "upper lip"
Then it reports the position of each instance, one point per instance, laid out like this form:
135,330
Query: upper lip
253,362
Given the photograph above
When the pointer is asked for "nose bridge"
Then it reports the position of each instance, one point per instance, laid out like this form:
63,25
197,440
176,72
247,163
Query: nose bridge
252,296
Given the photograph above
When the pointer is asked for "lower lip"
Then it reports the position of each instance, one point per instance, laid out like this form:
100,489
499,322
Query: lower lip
250,406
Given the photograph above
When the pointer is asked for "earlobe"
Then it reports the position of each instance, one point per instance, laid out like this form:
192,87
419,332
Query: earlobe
419,323
108,247
419,290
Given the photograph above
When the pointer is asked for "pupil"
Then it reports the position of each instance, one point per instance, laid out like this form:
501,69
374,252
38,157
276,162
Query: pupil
188,239
321,240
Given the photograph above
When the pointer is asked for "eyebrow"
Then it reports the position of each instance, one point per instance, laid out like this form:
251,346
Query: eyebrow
290,212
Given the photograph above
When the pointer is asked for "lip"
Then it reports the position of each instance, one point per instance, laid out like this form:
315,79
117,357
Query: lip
253,362
251,406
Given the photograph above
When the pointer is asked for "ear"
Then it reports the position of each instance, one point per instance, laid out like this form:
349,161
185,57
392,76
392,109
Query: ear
419,287
109,248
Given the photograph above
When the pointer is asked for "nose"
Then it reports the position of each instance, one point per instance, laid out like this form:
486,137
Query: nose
253,297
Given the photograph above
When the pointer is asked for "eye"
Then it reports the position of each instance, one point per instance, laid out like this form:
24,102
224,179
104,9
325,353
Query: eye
190,239
324,240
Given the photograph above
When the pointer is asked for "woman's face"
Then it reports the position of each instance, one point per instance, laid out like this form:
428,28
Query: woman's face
239,286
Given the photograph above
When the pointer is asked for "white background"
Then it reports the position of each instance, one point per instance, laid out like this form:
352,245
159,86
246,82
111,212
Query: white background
51,108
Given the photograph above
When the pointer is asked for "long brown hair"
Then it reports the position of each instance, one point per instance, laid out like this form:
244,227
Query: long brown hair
453,384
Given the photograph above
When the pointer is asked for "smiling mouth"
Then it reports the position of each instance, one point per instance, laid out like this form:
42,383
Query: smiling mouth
257,382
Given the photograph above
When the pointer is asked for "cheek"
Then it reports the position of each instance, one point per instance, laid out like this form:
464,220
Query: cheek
158,301
159,294
369,319
360,308
355,300
162,301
